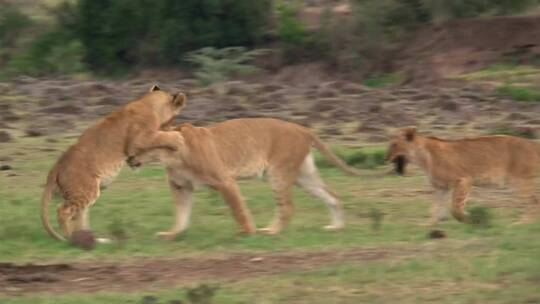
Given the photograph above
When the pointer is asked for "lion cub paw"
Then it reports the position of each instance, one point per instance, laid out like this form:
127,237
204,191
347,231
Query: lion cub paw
268,231
333,227
103,241
166,235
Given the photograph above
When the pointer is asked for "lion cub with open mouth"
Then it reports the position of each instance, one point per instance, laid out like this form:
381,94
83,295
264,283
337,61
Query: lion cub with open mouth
454,166
218,154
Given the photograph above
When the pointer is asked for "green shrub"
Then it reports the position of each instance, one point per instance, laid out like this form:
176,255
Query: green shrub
202,294
376,217
519,93
290,28
53,52
122,33
215,65
119,232
480,216
451,9
383,80
357,158
12,23
508,130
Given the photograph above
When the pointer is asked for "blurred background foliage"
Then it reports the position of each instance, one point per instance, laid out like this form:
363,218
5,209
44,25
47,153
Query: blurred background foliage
112,37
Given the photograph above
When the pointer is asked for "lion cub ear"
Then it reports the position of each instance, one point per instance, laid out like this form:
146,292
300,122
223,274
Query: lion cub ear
179,100
410,133
154,88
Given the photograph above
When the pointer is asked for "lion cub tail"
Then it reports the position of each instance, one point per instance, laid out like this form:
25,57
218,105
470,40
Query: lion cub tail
45,200
338,162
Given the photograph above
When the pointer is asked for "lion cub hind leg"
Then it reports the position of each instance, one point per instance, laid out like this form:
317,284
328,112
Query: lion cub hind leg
526,191
282,184
73,216
311,182
462,188
231,194
183,199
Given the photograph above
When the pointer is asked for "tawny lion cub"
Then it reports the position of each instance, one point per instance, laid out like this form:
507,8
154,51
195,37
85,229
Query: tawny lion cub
218,154
455,165
99,154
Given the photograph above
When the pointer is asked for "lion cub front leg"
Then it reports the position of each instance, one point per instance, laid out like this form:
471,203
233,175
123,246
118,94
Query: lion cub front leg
231,194
183,199
459,199
170,140
439,208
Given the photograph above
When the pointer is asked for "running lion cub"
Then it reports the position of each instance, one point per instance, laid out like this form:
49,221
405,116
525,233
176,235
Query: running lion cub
218,154
99,154
455,165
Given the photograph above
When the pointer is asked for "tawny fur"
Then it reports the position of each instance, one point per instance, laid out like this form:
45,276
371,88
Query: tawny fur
454,166
218,154
99,154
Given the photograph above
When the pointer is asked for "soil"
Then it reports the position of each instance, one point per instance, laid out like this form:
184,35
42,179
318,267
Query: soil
151,273
465,45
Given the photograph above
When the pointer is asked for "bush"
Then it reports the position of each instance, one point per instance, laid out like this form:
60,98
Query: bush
451,9
383,80
519,93
53,52
359,158
215,65
524,132
290,29
376,217
201,294
480,216
119,34
12,23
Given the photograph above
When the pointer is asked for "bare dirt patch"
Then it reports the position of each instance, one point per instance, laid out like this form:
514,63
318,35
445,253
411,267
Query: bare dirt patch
151,273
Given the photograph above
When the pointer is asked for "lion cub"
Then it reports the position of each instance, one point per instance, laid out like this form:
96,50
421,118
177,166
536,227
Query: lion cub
218,154
99,154
455,165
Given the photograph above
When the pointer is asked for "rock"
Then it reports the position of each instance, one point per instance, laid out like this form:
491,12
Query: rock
517,116
270,88
326,104
375,109
375,138
327,93
337,85
446,104
332,131
33,132
109,100
436,234
9,116
5,137
534,122
352,88
63,109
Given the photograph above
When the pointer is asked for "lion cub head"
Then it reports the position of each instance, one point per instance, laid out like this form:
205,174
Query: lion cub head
165,105
401,149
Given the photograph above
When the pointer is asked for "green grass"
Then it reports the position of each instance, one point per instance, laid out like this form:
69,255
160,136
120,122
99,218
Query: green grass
519,93
384,80
498,264
503,73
